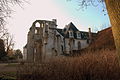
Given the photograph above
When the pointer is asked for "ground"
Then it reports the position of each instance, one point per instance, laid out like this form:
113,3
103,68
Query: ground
8,71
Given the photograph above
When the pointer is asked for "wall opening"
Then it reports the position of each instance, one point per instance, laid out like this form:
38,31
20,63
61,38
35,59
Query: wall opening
36,31
37,24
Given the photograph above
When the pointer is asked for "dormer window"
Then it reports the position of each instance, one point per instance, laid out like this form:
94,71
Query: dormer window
71,34
78,35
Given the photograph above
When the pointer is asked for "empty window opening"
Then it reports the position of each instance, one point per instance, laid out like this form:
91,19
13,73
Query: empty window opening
36,31
37,24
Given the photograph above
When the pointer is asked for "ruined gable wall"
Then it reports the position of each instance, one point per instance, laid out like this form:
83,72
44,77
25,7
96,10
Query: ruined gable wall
30,46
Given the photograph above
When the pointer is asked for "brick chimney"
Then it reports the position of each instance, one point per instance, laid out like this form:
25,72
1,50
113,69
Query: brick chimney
90,35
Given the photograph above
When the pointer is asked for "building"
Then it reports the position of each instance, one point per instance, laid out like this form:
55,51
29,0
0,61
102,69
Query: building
25,52
45,40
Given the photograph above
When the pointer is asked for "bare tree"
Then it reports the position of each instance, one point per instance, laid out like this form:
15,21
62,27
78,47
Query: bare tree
7,39
102,27
6,9
9,43
5,12
18,54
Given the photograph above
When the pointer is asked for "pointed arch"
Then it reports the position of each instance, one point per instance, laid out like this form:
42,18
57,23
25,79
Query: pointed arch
37,24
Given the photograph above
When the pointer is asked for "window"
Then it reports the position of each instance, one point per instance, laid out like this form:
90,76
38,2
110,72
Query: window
36,31
37,24
78,35
70,34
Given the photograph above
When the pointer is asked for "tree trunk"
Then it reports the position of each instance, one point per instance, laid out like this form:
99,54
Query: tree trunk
113,8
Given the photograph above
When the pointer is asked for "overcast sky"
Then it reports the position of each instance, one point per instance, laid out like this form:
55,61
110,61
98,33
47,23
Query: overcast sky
65,12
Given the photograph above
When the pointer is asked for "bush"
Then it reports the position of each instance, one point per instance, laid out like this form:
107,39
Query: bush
100,65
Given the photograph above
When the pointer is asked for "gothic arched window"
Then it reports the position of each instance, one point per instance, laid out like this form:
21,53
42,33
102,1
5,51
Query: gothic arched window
37,24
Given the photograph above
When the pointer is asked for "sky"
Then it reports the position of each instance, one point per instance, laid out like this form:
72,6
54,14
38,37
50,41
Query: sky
62,10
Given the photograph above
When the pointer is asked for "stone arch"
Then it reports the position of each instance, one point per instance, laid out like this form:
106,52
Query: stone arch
37,24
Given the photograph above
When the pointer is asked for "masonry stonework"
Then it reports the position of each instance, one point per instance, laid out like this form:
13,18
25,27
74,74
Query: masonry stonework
45,40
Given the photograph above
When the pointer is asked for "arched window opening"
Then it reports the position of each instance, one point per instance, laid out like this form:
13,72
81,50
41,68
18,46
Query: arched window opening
37,24
36,31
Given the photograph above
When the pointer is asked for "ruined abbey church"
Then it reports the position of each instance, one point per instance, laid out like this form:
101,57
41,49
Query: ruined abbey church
45,40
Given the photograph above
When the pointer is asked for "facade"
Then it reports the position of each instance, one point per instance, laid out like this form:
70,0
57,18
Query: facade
45,40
